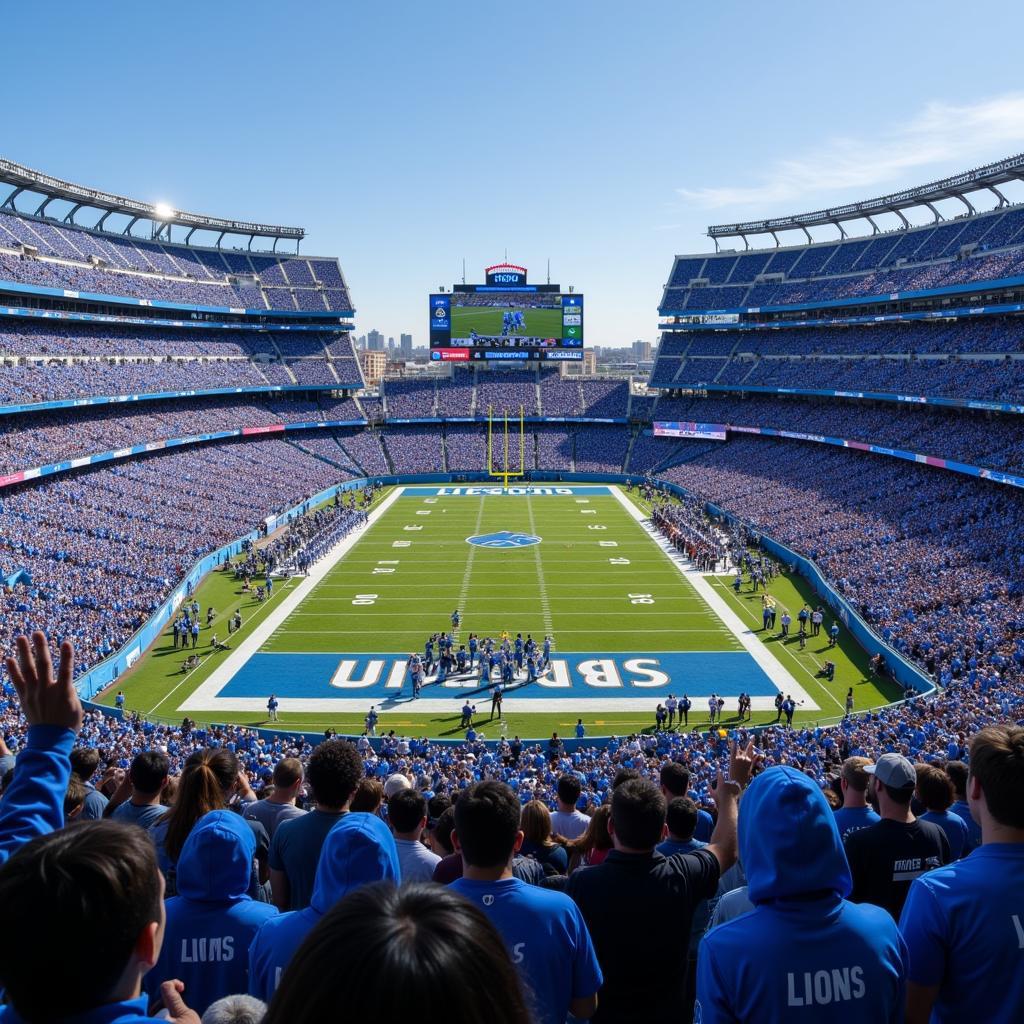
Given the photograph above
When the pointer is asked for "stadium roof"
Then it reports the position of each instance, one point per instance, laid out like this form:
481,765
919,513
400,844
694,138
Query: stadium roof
160,217
955,187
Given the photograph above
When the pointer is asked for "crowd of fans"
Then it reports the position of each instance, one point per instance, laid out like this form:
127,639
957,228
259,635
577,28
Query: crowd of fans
873,870
931,258
91,556
160,270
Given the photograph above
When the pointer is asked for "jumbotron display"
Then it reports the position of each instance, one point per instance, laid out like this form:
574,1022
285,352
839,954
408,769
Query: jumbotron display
506,319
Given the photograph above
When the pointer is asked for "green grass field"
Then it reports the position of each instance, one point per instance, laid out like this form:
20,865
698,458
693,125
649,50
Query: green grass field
597,583
540,323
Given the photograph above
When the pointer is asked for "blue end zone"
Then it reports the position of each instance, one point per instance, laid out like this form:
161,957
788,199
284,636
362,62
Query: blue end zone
605,676
486,490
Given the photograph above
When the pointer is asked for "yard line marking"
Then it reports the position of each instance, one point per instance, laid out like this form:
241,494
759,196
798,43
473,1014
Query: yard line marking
468,574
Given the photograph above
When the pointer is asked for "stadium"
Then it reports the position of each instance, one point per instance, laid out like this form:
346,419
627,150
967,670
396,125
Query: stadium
792,550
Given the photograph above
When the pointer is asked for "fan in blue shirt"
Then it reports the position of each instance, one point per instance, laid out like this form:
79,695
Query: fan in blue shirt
855,813
804,953
358,849
544,930
964,923
212,920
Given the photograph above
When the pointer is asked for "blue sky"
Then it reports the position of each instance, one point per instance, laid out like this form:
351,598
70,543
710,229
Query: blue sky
606,136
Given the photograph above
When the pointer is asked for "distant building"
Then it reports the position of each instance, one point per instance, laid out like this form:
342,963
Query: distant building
375,341
589,361
641,351
405,345
374,363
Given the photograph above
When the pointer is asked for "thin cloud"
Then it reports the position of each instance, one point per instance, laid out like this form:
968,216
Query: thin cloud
942,133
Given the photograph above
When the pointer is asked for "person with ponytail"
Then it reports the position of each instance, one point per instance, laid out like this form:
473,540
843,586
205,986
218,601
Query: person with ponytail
212,781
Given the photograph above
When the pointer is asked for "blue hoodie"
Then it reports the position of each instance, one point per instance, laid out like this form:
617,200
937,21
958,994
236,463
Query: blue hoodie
212,920
129,1011
804,953
359,849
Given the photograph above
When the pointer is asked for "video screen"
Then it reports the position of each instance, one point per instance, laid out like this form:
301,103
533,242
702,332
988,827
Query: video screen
507,318
506,325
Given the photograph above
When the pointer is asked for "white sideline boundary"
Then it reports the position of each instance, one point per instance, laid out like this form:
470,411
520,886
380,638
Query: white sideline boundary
769,664
203,697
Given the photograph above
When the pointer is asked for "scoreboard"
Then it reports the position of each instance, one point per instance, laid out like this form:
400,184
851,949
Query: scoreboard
506,319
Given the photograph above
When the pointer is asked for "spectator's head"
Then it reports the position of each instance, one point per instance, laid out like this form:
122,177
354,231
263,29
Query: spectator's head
789,842
597,836
854,781
535,821
958,772
395,784
235,1010
624,775
99,881
681,818
934,788
997,779
569,790
675,779
407,812
288,777
440,835
84,762
205,785
421,952
895,781
638,816
334,771
487,824
358,850
148,773
216,861
368,797
74,798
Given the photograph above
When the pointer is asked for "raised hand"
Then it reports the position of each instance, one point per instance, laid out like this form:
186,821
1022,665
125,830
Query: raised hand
45,699
742,762
170,992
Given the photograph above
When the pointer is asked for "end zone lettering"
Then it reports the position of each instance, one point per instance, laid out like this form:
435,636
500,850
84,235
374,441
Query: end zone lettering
449,492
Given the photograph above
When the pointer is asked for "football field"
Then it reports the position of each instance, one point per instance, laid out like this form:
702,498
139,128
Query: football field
629,625
487,320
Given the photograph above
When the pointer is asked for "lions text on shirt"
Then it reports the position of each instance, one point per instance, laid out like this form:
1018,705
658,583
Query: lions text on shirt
964,929
546,938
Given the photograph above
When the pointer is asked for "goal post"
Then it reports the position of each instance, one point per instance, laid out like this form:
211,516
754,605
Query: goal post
498,434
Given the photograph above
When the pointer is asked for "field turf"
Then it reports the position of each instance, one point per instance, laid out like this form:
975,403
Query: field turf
487,320
413,566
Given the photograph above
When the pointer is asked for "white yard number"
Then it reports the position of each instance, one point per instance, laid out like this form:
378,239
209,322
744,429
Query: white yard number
401,543
412,527
608,543
618,561
588,511
364,598
379,571
641,599
423,511
596,526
